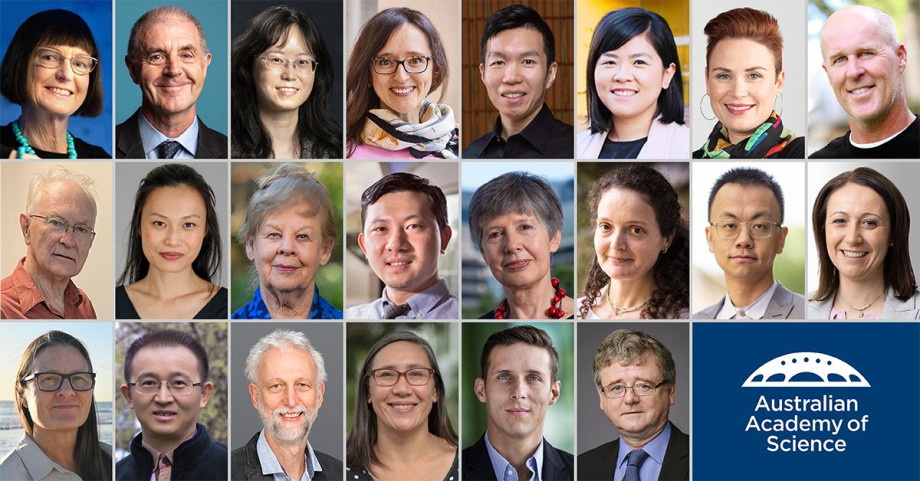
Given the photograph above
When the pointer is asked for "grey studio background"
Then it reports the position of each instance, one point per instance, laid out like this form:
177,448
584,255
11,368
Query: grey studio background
127,178
594,428
327,434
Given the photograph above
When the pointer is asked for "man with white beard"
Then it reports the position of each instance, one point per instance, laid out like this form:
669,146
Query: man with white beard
287,379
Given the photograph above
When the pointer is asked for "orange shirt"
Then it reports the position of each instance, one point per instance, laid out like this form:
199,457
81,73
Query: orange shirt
20,299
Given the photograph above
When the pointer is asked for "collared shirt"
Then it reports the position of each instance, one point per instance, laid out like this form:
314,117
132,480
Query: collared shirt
21,299
27,462
504,471
755,311
544,138
256,308
162,463
655,448
272,467
151,138
435,302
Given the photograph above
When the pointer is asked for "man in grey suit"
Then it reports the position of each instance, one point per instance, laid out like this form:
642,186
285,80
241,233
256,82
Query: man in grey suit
745,234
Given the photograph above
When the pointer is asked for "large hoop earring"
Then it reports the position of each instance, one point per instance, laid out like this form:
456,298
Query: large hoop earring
782,104
702,112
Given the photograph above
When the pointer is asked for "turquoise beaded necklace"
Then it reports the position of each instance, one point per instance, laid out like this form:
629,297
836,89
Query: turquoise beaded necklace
25,148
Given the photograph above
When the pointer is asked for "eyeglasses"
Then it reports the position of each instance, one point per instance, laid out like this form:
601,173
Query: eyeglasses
389,377
387,65
152,386
52,381
278,64
51,58
159,58
641,388
758,229
58,225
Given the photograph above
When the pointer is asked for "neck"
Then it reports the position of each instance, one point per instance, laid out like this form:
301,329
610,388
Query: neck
530,302
169,124
634,128
515,126
43,131
401,296
281,127
867,132
859,293
167,444
288,304
517,450
57,445
169,285
743,292
52,289
639,441
397,448
625,293
292,456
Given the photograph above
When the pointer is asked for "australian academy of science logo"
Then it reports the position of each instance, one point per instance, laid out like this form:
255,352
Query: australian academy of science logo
806,423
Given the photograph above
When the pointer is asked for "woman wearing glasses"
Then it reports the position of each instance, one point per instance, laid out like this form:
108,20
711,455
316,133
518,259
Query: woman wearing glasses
397,61
401,428
281,62
54,398
49,69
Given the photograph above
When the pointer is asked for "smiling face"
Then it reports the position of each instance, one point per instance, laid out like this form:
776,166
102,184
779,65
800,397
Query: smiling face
627,239
402,92
173,226
62,410
630,79
58,91
287,395
742,84
518,249
56,256
402,408
858,229
288,88
638,418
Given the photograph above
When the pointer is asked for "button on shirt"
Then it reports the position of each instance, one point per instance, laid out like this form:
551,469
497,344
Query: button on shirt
754,311
544,138
271,466
151,138
435,302
655,448
504,471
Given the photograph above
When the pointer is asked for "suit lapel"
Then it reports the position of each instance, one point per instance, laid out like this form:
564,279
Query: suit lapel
477,466
128,143
676,464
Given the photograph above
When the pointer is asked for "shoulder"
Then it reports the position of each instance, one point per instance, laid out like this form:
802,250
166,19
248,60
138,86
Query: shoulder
474,149
794,150
13,467
325,310
605,454
834,148
711,311
819,309
332,466
89,151
589,144
363,311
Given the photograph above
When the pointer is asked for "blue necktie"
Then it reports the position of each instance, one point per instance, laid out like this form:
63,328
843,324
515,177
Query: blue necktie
168,149
634,461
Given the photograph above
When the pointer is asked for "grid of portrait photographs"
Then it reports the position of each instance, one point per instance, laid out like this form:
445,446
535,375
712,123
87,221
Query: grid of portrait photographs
422,240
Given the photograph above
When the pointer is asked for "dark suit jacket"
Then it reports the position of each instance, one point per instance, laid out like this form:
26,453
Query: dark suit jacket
600,462
477,466
245,465
211,144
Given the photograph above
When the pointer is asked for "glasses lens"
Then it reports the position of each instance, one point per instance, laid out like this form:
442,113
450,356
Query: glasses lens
81,381
49,381
83,64
179,386
416,64
418,377
386,377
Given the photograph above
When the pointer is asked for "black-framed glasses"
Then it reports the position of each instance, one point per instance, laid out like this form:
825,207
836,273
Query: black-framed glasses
52,381
58,225
152,386
758,229
641,388
418,376
52,58
277,63
387,65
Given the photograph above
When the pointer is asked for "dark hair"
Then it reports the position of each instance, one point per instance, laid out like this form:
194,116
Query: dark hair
372,37
746,23
402,182
898,271
615,30
51,27
524,334
362,437
671,270
314,124
520,192
168,338
749,176
518,16
92,461
207,263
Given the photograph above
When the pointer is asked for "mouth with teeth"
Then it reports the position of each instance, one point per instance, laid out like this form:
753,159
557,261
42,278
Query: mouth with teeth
513,95
854,254
59,91
402,407
738,109
402,90
398,265
164,415
287,90
625,92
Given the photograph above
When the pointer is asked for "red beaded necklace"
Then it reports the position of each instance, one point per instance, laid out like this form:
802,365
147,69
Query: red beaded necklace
555,307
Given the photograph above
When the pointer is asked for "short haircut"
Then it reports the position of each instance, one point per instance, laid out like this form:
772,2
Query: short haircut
746,23
168,338
161,14
526,334
886,26
406,182
514,192
518,16
44,29
749,177
629,347
615,30
283,339
40,181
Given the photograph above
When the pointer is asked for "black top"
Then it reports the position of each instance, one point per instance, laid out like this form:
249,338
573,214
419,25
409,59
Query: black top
246,466
558,465
905,145
544,138
362,475
216,308
621,150
198,459
8,143
795,150
600,463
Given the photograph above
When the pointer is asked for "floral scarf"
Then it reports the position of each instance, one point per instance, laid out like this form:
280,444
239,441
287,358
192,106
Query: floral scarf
768,139
435,134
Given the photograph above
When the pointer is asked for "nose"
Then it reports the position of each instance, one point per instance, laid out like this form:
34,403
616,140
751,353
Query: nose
396,240
854,234
65,70
739,88
401,73
619,240
622,73
290,396
66,388
512,242
172,235
744,238
289,72
631,397
69,237
512,74
519,389
286,245
171,65
163,395
854,67
402,385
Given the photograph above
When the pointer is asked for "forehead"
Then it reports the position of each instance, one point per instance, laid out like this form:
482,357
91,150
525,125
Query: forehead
287,361
740,54
638,44
65,197
165,360
291,216
180,197
293,39
399,354
520,357
406,38
849,31
60,358
625,203
753,197
644,368
174,30
516,41
399,204
855,198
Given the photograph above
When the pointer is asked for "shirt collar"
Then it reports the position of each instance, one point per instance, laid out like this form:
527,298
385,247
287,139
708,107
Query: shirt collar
30,296
271,465
537,132
655,448
35,460
151,138
421,302
260,310
504,470
754,311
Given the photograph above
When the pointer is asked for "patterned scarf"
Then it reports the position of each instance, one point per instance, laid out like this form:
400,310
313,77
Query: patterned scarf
435,135
770,138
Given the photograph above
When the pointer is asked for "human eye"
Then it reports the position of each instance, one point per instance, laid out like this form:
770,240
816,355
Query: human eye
159,223
83,61
640,62
603,226
276,60
378,229
81,379
304,237
636,230
760,227
386,375
189,225
723,76
56,223
503,376
302,386
839,221
529,62
417,373
146,383
384,62
48,380
494,235
616,389
838,60
179,383
82,230
302,63
275,387
728,226
187,55
415,61
533,378
870,223
866,54
156,58
497,63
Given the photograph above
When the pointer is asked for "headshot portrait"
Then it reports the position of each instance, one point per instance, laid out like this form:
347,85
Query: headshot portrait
57,240
168,51
287,403
751,104
286,224
521,105
44,371
861,241
171,224
171,413
518,400
402,423
749,232
400,102
286,80
403,222
634,80
864,93
634,255
640,381
519,250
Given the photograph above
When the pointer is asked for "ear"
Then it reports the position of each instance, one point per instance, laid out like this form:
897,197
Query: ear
555,241
361,243
206,390
482,73
780,81
706,78
673,392
667,242
446,234
254,395
781,242
250,251
206,61
551,75
24,222
709,238
600,398
902,58
668,75
126,393
327,252
130,66
320,393
479,387
554,392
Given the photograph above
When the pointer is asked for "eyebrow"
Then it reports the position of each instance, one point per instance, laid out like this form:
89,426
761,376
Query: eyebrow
635,55
189,216
408,54
636,221
412,365
756,215
749,69
529,53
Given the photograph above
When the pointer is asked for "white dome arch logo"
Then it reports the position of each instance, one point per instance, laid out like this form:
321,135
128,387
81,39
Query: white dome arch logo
805,369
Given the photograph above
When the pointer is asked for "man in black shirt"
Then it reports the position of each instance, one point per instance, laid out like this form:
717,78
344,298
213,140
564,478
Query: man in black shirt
517,72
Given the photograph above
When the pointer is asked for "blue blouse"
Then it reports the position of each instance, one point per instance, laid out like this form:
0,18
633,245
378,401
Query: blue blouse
256,308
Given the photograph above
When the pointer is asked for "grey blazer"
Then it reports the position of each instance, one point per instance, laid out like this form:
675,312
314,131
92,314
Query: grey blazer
784,304
894,307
